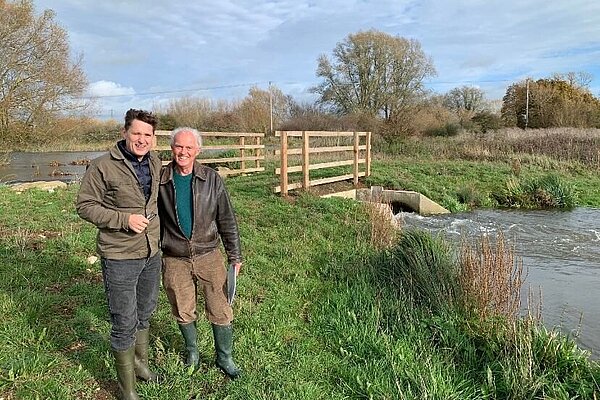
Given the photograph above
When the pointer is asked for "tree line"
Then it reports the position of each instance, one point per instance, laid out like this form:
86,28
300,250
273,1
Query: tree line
372,80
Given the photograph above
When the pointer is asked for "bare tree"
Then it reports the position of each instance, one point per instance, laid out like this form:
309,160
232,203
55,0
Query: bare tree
467,98
373,73
38,78
256,108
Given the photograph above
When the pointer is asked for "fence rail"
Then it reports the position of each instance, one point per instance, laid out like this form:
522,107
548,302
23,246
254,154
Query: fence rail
306,150
252,152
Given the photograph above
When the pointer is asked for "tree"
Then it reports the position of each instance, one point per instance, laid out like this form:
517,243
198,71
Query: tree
467,98
255,109
38,79
373,73
465,101
553,102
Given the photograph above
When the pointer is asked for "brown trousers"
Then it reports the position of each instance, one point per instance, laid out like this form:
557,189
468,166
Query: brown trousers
182,277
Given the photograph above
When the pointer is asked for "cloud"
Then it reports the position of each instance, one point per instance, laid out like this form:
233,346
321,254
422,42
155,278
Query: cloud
109,89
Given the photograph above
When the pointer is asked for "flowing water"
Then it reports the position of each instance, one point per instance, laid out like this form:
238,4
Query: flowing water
560,251
45,166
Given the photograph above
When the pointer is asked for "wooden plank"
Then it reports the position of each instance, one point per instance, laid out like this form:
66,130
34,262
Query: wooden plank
298,168
334,179
314,150
239,171
229,159
223,147
290,186
319,133
216,134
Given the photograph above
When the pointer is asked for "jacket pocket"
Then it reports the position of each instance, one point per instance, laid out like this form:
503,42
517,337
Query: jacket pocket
124,194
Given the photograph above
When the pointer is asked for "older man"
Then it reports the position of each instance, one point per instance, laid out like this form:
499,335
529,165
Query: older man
196,216
118,194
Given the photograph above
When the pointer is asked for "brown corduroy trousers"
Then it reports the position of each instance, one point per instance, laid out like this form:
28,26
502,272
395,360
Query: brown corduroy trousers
183,277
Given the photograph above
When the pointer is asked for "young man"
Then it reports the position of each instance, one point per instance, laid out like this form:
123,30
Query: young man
196,215
119,194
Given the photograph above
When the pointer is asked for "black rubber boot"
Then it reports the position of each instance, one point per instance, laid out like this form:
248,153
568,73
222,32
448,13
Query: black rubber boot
190,335
142,371
223,335
125,373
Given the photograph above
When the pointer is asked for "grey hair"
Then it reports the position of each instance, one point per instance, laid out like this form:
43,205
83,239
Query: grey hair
193,131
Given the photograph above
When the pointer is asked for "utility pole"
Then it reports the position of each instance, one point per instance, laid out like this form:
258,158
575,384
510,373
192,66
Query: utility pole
527,104
271,107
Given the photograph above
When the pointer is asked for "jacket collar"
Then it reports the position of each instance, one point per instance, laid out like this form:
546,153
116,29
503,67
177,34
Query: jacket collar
199,172
117,152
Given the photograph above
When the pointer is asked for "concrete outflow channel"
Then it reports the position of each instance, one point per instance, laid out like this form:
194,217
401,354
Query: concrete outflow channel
399,200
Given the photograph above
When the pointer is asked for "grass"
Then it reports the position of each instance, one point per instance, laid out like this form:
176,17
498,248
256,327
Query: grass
332,303
320,314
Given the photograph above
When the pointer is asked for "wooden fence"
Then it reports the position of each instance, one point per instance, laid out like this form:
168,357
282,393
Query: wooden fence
249,148
306,150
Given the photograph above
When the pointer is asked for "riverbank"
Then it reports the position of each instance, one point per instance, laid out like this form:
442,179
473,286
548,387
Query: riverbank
315,316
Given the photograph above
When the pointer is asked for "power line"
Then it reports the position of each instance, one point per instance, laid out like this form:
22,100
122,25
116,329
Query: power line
173,91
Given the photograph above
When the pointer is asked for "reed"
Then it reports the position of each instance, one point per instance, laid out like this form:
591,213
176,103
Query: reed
491,277
384,228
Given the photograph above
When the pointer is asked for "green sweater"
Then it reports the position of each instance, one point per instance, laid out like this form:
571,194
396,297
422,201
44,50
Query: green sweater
183,196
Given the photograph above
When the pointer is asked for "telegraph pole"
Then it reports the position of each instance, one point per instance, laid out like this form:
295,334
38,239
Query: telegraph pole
527,104
271,107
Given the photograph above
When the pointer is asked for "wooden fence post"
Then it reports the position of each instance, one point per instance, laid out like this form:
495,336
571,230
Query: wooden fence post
257,153
368,156
283,177
305,160
355,169
242,153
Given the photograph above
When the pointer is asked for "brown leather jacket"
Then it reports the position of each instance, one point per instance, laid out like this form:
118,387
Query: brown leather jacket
213,216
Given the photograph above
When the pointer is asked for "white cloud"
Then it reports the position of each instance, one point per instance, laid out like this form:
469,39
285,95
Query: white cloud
109,89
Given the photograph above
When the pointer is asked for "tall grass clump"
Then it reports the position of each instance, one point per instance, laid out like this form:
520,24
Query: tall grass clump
491,277
384,228
422,268
548,191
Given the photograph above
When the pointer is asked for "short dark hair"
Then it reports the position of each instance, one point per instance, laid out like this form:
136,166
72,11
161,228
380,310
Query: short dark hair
140,115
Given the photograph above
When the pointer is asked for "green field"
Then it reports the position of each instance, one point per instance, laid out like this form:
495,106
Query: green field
317,315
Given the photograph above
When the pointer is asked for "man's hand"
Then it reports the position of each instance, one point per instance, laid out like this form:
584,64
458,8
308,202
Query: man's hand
238,267
138,223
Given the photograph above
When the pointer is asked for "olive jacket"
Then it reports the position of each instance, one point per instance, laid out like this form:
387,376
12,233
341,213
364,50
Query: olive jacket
110,192
213,216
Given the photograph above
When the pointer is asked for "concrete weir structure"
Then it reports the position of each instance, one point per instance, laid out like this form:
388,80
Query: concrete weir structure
399,200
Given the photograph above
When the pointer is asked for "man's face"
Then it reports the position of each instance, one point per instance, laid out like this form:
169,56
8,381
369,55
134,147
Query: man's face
185,150
139,138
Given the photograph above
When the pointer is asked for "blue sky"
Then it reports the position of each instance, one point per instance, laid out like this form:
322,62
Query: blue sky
144,53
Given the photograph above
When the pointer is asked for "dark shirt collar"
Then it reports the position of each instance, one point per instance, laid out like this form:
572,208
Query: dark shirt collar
129,155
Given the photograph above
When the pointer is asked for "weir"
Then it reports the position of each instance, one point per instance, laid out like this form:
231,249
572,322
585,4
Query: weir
399,200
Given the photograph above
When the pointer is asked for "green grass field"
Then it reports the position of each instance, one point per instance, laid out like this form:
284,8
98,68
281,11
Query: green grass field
316,315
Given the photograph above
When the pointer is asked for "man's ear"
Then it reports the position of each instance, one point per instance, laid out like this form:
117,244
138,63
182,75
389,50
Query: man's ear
123,132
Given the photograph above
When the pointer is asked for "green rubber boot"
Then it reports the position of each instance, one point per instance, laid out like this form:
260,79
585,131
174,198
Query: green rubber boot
223,335
124,361
190,335
142,371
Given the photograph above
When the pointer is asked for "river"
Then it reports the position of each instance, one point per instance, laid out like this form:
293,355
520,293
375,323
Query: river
45,166
560,251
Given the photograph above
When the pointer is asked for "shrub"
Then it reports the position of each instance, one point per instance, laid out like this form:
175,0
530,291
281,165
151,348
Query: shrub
449,129
549,191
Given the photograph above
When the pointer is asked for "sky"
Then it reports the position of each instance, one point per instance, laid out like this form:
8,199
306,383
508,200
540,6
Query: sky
144,54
